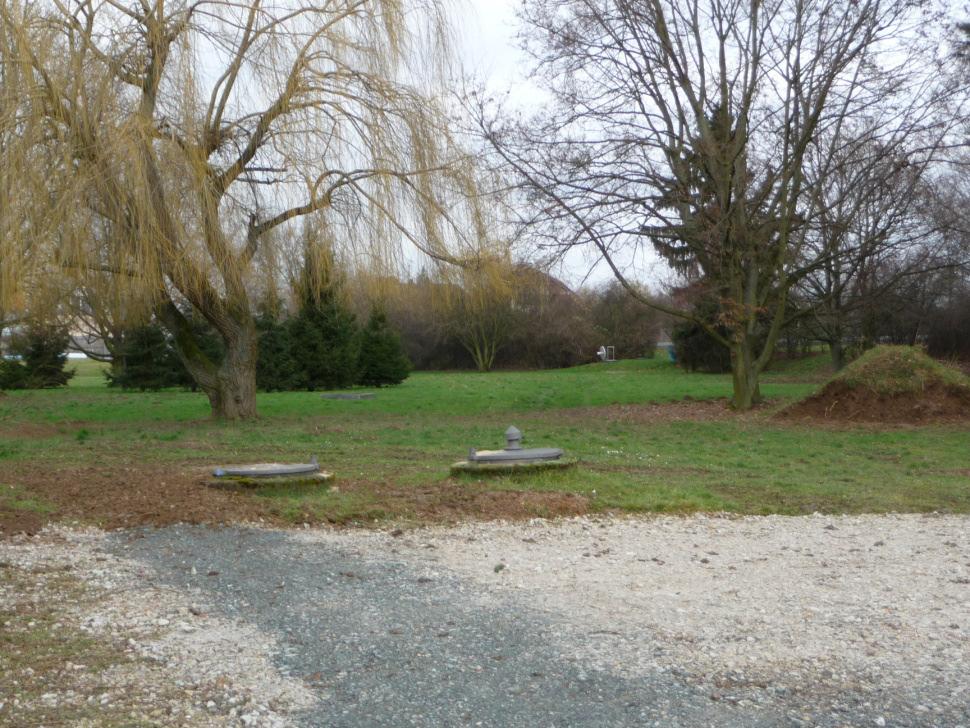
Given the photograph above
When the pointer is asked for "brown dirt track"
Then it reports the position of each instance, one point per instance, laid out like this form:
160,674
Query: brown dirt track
159,496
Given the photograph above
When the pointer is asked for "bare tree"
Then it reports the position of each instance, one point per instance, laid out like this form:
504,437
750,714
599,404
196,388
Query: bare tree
688,125
624,322
872,215
181,136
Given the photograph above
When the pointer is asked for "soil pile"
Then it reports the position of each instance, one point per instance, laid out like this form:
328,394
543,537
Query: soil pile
898,384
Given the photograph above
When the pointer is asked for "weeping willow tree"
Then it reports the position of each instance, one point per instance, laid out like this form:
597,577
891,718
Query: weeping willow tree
478,304
178,140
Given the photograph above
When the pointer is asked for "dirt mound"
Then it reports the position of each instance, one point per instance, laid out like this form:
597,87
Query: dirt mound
893,384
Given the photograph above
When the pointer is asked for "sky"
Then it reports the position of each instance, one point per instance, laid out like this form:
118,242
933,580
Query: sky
488,42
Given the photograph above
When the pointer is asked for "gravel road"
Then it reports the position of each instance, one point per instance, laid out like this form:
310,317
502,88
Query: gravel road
386,642
701,621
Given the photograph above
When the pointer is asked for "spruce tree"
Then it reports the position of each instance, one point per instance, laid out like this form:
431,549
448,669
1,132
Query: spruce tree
382,358
144,357
43,353
13,374
146,360
276,369
324,338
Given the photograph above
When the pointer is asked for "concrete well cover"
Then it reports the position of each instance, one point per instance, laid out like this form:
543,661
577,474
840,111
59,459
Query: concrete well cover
524,455
266,470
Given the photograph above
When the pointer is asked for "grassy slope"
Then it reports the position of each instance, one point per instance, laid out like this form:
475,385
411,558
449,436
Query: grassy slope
894,370
408,436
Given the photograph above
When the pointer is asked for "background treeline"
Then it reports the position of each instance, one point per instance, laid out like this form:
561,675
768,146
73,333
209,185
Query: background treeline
333,329
929,307
329,328
516,317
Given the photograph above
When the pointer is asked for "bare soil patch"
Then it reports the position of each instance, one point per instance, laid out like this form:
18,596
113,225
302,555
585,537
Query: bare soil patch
452,501
124,497
456,501
687,410
33,431
14,521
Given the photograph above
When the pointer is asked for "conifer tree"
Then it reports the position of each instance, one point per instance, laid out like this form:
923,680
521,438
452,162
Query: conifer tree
146,359
276,369
43,354
382,358
324,338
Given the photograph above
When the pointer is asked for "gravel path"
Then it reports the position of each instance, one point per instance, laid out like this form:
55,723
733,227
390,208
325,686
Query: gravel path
386,642
831,620
701,621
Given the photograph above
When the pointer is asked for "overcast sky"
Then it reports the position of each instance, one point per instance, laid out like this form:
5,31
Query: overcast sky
489,44
490,50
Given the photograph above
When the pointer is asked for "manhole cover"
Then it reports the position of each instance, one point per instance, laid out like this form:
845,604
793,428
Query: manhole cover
267,470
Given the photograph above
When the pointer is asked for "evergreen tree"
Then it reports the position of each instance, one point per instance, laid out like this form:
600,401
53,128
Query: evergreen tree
13,374
276,369
696,350
145,357
43,353
324,343
146,360
382,358
324,340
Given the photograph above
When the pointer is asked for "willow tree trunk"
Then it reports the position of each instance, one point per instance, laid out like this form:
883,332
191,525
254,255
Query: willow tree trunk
230,385
234,395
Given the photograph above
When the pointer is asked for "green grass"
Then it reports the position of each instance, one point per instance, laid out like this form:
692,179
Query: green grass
406,438
89,401
815,368
87,373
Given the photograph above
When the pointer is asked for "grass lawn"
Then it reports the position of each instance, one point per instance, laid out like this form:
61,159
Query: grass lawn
649,437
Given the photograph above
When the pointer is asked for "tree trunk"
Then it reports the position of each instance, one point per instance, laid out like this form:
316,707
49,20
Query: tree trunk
233,397
744,367
837,350
231,385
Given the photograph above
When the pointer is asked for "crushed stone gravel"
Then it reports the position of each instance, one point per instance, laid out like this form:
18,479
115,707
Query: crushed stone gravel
190,666
695,621
834,620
